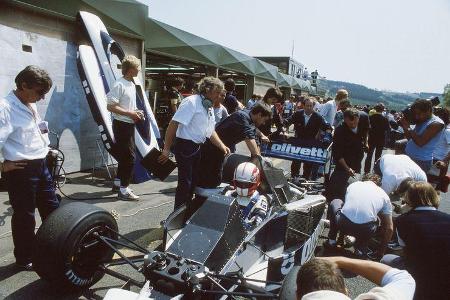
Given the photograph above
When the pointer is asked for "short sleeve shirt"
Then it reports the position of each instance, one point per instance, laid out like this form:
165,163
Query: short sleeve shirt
236,128
123,92
396,168
364,201
195,122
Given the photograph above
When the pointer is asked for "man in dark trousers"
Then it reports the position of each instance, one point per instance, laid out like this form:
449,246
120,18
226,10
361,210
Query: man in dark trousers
379,125
307,124
238,127
348,151
24,147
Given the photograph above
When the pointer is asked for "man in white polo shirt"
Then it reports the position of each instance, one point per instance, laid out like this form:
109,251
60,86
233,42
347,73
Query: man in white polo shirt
358,216
24,146
394,169
189,128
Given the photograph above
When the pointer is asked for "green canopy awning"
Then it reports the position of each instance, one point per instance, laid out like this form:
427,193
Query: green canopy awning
164,39
125,16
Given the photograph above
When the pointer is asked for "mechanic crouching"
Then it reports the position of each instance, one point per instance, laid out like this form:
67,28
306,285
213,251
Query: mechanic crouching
191,125
239,126
365,202
24,146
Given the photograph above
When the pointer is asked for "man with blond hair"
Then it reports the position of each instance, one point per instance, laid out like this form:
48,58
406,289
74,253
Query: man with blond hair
328,110
121,101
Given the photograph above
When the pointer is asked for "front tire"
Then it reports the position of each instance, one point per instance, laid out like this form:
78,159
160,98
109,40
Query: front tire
67,253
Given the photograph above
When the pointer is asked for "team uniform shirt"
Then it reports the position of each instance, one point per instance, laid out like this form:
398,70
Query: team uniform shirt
396,168
364,201
236,128
220,113
395,285
443,145
20,136
195,122
123,93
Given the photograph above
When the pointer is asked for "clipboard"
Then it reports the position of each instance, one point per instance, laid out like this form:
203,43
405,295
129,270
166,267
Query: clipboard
161,171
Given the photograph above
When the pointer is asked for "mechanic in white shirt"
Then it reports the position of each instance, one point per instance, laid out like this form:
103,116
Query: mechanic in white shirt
394,169
321,279
328,110
365,202
121,101
24,147
189,128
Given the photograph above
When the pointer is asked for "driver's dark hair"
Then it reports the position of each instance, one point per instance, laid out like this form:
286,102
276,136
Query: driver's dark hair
423,105
273,92
319,274
261,108
372,177
33,76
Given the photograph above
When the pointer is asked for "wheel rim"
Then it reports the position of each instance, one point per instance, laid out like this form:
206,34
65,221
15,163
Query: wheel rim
88,253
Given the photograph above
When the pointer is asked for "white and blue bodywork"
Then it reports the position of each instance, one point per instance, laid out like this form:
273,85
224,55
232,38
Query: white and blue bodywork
94,61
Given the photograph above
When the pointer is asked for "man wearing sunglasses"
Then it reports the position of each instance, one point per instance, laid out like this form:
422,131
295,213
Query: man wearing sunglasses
24,146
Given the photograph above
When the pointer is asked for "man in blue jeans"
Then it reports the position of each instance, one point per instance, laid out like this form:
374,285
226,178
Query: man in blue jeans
190,126
24,147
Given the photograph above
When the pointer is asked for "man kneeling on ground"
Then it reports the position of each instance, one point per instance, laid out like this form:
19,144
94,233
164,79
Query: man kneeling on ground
320,278
358,216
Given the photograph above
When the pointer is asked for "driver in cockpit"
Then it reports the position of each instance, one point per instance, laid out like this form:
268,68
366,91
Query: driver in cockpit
246,181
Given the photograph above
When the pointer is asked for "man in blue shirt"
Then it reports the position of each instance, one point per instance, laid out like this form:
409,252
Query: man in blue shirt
238,127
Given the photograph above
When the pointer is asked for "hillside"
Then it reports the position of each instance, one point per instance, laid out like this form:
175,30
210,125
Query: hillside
360,94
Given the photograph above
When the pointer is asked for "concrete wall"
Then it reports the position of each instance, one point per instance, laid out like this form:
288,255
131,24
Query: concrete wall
262,85
53,48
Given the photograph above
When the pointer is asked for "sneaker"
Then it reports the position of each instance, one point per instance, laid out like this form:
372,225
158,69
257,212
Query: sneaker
25,266
127,195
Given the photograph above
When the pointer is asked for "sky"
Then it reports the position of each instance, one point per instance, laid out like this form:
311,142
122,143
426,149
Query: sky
397,45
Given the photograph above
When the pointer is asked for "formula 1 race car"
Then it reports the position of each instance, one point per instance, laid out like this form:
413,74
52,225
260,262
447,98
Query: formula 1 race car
207,253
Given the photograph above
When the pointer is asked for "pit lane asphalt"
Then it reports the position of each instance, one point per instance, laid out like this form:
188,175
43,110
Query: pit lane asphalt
135,221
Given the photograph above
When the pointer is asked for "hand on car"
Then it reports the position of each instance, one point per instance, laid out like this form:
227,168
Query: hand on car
265,139
162,159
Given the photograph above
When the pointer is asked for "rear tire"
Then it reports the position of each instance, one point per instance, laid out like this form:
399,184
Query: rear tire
289,286
60,256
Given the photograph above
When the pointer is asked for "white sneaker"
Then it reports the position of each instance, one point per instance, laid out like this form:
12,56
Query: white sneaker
127,194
